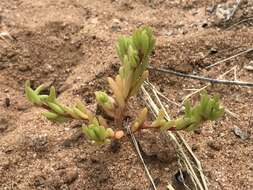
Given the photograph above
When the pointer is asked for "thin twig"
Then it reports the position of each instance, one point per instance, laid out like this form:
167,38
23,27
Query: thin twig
180,148
5,36
169,187
231,57
190,89
227,82
237,23
232,114
160,94
235,73
186,160
204,87
200,89
182,177
199,167
140,156
238,2
195,92
188,163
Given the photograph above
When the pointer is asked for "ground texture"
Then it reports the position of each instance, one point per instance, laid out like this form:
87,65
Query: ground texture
71,44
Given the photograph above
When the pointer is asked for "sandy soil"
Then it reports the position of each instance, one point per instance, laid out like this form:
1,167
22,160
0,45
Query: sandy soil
71,44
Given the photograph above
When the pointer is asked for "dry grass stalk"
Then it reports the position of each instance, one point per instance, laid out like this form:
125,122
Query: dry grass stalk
184,151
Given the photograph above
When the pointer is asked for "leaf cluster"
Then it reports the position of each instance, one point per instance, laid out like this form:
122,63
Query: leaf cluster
95,129
207,109
133,52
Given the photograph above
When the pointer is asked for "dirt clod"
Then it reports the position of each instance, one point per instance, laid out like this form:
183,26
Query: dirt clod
40,143
73,139
214,145
213,51
70,175
99,174
7,102
3,124
156,146
240,133
4,162
115,146
62,177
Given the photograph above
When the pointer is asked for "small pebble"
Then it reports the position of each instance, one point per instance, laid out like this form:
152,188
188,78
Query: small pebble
39,143
64,187
238,132
212,51
116,25
249,67
39,181
169,33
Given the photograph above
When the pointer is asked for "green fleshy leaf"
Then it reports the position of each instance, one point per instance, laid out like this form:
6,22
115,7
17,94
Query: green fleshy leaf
52,94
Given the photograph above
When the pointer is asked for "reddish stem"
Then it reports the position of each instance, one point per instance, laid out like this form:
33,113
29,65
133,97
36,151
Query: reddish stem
147,125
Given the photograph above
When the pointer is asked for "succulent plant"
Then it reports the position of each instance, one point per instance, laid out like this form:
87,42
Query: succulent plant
134,52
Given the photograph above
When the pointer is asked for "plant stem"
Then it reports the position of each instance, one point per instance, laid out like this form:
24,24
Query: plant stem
119,118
